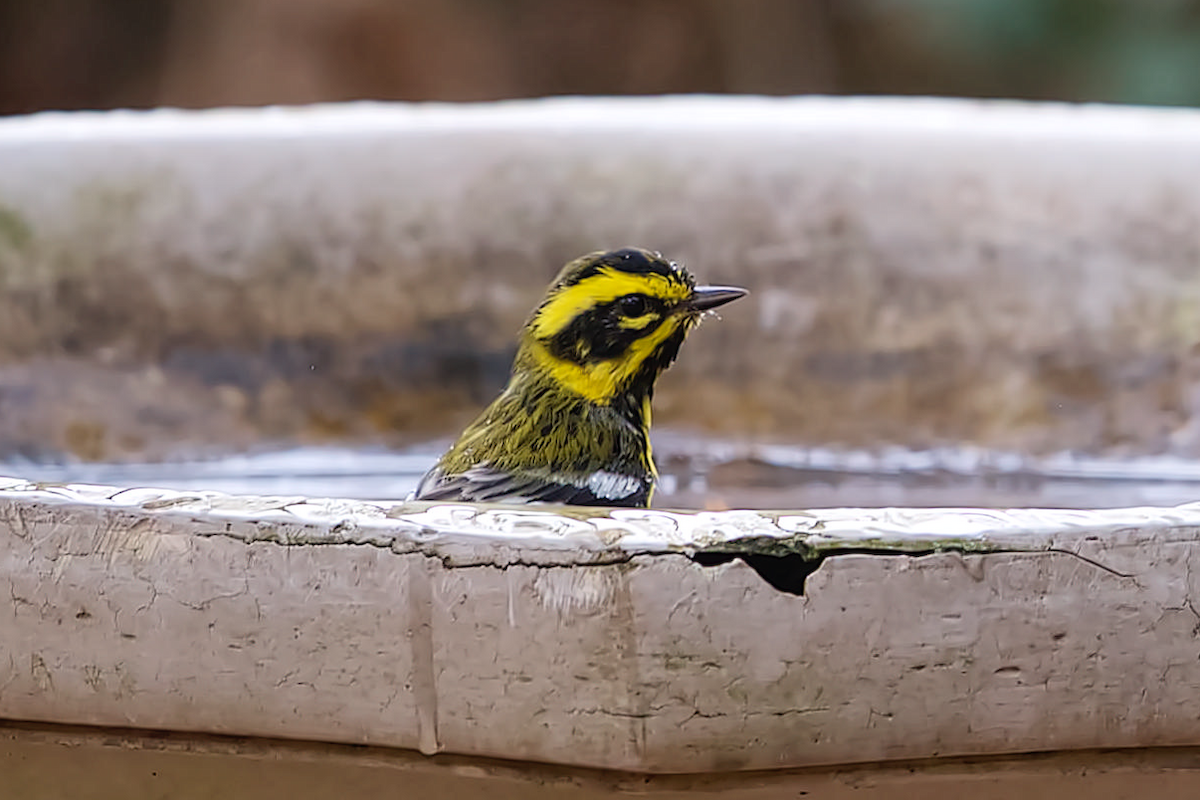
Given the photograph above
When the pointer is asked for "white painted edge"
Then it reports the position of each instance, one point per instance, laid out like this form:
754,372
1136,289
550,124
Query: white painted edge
471,533
879,116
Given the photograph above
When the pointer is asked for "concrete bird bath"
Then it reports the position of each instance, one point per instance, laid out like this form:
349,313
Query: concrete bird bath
997,289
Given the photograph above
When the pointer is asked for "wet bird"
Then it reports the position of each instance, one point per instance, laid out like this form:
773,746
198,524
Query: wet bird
573,424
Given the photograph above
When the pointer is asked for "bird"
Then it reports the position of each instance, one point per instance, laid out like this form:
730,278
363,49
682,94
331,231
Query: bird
572,426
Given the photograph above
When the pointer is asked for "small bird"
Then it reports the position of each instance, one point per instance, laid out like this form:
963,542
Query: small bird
573,424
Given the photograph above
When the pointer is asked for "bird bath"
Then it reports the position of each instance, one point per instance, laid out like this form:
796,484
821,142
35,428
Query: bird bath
230,341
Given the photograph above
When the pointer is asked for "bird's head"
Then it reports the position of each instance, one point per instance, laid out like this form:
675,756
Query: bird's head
611,322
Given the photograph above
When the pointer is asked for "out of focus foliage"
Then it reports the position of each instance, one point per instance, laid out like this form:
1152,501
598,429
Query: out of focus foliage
106,53
1126,51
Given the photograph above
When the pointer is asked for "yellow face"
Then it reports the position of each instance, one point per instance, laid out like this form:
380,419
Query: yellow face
612,321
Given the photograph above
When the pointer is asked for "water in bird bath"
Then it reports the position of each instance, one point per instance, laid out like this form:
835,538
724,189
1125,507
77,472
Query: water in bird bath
700,473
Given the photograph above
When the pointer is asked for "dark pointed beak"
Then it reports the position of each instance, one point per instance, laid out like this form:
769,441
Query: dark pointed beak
706,297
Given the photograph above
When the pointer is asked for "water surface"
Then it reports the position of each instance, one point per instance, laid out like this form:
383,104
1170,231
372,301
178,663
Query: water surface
700,473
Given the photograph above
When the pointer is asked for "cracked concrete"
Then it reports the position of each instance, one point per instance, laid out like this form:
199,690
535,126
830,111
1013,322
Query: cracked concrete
596,640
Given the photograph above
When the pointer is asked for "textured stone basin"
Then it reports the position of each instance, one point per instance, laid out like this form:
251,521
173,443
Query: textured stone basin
1015,283
644,641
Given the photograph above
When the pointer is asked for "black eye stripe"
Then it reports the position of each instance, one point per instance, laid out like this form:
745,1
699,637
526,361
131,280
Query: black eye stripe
596,335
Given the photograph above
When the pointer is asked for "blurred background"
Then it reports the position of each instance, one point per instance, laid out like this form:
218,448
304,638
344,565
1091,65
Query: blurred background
70,54
120,343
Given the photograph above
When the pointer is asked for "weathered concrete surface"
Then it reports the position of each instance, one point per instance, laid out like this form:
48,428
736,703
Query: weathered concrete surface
1017,276
596,640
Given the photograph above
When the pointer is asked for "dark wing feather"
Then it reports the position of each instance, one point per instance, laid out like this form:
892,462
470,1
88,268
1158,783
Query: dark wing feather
482,484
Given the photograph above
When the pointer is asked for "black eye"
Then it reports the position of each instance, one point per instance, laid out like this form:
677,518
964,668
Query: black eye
633,305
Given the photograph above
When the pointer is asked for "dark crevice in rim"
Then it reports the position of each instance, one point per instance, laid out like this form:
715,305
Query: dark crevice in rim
789,572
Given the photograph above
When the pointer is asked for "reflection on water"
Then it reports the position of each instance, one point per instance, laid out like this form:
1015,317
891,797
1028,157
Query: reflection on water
699,473
310,471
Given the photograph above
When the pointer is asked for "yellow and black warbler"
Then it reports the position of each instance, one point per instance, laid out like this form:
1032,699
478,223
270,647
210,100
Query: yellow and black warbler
573,424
